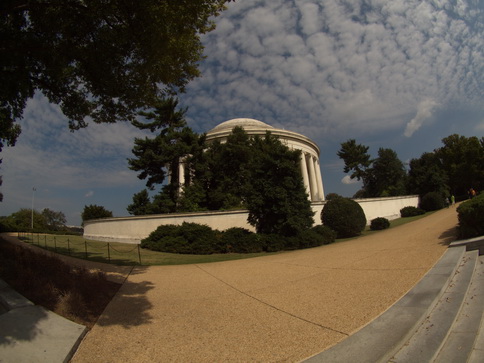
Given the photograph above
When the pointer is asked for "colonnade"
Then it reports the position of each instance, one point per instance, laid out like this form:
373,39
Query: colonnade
310,170
311,173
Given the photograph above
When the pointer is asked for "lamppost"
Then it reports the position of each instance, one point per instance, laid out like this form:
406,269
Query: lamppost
32,218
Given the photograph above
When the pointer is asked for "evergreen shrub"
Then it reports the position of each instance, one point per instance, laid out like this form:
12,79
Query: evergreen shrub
189,238
432,201
240,240
327,233
344,216
411,211
273,242
471,217
379,224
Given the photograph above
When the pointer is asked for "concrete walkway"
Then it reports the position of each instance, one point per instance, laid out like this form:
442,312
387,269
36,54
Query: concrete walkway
285,307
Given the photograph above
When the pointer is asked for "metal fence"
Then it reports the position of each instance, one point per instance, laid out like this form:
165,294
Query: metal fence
90,250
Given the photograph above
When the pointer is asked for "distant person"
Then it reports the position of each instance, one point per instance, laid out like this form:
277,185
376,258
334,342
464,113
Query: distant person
452,200
447,202
472,193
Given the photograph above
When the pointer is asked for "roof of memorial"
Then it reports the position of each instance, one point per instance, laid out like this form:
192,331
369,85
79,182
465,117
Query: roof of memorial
243,122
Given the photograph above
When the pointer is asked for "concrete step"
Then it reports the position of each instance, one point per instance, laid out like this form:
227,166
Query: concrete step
477,354
447,316
379,340
460,341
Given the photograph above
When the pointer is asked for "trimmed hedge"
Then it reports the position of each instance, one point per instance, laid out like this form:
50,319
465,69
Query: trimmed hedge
192,238
189,238
379,223
240,240
471,217
411,212
327,233
344,216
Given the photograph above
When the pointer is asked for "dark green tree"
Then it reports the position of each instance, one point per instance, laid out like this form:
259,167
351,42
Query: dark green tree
141,204
356,158
93,211
22,220
99,59
383,176
427,175
159,157
462,159
276,196
55,220
387,176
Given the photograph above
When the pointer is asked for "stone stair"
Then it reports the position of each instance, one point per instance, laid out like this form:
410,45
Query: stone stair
440,320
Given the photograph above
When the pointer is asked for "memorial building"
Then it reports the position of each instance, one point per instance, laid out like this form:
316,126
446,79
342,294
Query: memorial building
310,169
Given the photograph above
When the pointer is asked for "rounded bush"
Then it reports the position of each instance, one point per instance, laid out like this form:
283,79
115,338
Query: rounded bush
240,240
327,233
432,201
344,216
379,223
411,211
471,217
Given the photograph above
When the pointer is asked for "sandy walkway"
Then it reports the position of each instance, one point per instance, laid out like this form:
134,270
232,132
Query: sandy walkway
276,308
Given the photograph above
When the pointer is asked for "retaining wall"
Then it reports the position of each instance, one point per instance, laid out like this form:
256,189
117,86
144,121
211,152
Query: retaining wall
134,229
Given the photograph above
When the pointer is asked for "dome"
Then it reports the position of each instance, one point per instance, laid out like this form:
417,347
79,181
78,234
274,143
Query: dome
242,122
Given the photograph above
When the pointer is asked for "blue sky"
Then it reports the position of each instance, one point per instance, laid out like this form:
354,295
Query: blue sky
396,74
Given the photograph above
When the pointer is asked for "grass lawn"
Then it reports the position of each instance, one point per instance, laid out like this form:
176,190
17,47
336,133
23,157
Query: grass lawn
131,254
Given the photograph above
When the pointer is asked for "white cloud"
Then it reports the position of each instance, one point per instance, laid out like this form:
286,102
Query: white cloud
424,112
334,65
347,180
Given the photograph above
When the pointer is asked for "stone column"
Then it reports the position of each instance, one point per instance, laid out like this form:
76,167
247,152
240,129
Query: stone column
312,180
181,174
319,179
304,172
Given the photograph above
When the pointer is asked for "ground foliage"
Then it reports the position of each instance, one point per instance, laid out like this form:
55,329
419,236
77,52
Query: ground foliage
73,292
191,238
471,217
344,216
379,223
411,211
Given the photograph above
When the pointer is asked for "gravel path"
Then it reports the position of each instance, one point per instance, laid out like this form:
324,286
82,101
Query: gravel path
280,308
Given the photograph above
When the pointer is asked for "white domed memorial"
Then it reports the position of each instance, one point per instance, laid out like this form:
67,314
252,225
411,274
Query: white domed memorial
310,169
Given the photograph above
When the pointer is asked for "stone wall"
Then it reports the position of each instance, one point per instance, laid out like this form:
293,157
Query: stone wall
134,229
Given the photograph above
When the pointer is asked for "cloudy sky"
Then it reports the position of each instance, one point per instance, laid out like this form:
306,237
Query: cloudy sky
400,74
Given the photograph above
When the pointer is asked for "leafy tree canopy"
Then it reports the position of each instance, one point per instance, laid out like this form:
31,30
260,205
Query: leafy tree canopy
93,211
383,176
462,159
99,59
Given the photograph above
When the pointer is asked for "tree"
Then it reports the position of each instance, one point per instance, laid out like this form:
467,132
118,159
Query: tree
427,175
462,158
22,220
99,59
55,220
160,156
93,211
141,204
383,176
387,176
276,196
356,158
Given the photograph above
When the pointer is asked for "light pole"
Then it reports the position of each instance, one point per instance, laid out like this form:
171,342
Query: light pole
32,218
